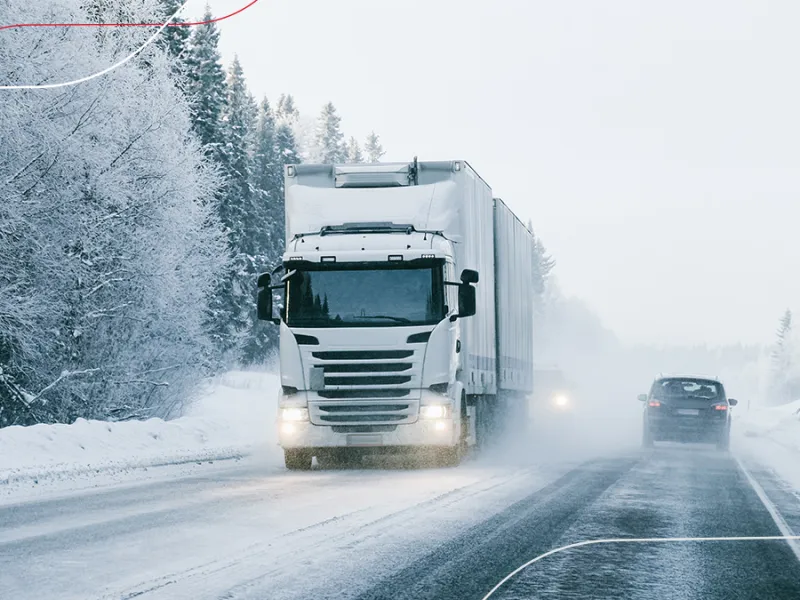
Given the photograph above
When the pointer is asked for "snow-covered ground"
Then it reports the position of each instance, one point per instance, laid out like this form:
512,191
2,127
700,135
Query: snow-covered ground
772,435
232,417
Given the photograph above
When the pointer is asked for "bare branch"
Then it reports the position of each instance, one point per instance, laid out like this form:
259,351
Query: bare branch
64,375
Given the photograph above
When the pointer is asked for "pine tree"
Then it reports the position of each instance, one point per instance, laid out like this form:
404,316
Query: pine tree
267,169
542,264
238,128
267,215
373,148
329,138
286,146
175,38
206,84
353,151
287,110
286,154
781,359
233,304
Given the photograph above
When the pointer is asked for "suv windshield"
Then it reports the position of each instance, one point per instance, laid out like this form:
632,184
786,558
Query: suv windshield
688,388
366,297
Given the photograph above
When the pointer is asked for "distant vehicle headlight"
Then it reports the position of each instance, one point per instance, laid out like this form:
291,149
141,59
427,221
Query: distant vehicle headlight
561,400
434,411
294,414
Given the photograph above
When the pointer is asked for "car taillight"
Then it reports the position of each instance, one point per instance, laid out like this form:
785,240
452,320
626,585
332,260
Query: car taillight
720,407
654,403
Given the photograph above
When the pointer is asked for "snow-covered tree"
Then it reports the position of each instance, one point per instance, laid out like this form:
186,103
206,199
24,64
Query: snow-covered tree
175,39
353,151
329,139
206,83
784,376
287,110
232,308
267,215
543,264
267,170
109,241
373,148
286,154
274,149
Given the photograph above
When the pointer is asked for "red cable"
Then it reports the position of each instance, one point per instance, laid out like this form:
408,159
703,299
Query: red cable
216,20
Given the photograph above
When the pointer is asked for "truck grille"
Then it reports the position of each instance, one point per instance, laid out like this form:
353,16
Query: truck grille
365,387
363,354
363,413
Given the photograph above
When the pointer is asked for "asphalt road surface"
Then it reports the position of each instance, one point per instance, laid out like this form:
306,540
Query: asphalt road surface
256,532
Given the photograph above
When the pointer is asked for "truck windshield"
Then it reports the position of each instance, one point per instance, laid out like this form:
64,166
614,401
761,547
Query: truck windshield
362,297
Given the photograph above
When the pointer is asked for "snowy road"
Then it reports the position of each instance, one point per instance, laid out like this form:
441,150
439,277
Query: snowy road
250,530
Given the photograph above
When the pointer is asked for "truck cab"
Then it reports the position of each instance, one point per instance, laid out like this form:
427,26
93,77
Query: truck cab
371,319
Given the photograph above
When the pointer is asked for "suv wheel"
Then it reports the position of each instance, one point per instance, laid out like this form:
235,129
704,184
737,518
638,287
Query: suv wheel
724,442
647,438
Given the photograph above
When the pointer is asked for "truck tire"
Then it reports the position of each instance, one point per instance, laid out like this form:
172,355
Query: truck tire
448,457
484,422
297,460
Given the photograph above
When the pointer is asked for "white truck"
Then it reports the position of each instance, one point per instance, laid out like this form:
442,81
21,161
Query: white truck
406,324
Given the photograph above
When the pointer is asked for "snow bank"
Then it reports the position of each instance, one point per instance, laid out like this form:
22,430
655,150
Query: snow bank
779,424
233,416
771,436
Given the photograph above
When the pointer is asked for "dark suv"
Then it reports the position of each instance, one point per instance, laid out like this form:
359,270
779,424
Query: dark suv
687,409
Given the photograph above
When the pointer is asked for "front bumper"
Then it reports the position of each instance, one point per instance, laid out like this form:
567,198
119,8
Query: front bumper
439,432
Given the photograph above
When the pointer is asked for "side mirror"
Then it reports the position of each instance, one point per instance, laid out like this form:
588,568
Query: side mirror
264,302
732,402
642,397
469,276
466,300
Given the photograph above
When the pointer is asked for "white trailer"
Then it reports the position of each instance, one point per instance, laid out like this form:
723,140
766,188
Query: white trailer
407,319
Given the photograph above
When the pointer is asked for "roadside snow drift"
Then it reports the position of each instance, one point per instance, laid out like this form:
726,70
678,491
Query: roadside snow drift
779,424
232,417
772,437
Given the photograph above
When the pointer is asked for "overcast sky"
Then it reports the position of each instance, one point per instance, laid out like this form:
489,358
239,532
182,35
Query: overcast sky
654,145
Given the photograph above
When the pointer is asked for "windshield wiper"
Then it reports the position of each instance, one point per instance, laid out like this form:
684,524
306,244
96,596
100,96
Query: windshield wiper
396,319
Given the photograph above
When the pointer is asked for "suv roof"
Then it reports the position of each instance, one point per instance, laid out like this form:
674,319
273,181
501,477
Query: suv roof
690,376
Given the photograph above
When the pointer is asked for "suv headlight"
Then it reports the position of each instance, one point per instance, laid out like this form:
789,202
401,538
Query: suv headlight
434,411
294,414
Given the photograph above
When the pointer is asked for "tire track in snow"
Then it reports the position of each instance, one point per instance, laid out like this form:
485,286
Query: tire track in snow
247,566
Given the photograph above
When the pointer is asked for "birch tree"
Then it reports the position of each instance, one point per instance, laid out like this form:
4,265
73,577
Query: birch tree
109,240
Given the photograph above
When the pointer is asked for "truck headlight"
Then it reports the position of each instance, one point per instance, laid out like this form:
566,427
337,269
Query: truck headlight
561,401
294,414
435,411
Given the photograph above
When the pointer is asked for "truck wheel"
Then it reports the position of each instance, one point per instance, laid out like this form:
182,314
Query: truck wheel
447,457
297,460
484,424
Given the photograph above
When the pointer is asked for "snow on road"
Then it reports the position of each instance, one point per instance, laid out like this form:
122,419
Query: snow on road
772,437
248,532
232,417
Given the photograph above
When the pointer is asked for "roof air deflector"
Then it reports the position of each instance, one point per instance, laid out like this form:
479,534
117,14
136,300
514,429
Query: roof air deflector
373,176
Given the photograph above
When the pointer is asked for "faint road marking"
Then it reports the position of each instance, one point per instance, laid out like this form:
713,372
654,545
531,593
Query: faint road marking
783,526
767,538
